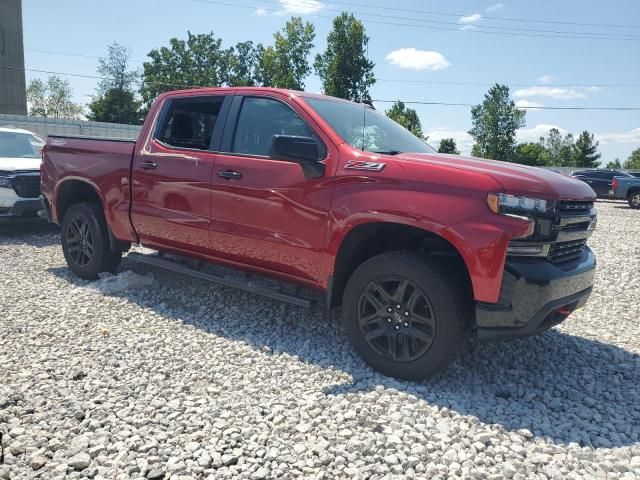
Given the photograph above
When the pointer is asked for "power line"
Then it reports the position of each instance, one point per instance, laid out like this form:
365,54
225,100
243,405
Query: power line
476,29
503,19
416,102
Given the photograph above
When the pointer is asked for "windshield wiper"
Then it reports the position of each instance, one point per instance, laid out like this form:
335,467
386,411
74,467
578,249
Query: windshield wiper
387,152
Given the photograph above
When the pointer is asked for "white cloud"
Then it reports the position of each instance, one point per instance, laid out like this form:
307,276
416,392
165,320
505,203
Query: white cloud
552,92
546,79
300,7
467,27
467,19
632,136
495,7
464,141
413,59
534,134
260,12
527,103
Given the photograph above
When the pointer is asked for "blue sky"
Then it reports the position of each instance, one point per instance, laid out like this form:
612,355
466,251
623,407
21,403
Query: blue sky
445,46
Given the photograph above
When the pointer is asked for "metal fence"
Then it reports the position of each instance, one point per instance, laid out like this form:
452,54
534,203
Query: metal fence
45,126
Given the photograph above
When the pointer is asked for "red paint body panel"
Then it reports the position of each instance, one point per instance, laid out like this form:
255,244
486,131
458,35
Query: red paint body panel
277,221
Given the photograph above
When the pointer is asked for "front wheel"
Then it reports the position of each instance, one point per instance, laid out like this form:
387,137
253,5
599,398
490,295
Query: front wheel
405,316
85,241
634,199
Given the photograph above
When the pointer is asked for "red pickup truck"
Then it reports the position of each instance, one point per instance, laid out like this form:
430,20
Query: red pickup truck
422,250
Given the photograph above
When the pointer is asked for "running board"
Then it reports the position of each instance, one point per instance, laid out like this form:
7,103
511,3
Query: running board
159,262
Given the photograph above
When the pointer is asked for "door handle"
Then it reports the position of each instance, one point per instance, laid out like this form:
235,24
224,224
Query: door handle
148,165
230,174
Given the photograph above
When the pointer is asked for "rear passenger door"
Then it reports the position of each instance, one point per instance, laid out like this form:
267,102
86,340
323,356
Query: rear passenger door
267,212
601,182
172,173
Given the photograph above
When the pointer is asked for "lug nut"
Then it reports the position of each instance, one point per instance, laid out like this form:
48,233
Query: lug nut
406,314
397,327
398,306
389,309
389,320
406,324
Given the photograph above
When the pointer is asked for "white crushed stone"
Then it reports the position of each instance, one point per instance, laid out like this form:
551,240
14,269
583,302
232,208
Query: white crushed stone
170,377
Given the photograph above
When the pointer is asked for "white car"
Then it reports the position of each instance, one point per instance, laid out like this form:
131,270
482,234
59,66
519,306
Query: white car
19,173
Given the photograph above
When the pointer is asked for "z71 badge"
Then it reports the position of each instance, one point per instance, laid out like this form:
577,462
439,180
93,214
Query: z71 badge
357,165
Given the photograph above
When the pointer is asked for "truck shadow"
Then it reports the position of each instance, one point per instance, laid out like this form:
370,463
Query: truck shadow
560,387
34,232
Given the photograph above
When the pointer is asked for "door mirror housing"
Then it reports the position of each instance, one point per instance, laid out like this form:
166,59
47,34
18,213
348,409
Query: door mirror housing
292,148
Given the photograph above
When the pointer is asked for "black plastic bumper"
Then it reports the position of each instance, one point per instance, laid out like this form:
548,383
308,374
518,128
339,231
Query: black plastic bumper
23,208
535,296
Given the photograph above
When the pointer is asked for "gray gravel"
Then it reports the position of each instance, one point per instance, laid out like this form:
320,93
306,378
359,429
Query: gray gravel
173,378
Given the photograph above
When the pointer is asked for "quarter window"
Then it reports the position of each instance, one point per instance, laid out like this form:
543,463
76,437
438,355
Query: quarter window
189,122
262,118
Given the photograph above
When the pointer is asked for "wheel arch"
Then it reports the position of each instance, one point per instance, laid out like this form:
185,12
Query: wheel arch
368,239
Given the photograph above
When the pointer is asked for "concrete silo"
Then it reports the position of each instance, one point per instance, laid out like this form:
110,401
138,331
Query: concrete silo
12,83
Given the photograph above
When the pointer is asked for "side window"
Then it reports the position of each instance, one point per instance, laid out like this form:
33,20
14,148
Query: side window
189,122
262,118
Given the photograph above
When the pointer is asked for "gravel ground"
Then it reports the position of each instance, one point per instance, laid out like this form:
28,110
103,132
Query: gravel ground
174,378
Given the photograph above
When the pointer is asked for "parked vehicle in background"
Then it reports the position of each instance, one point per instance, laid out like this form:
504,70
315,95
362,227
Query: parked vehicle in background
627,188
422,250
599,179
19,173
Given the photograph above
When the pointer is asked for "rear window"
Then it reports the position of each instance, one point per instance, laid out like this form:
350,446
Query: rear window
189,122
19,145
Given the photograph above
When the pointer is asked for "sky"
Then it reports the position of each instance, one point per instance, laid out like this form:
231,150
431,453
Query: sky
424,51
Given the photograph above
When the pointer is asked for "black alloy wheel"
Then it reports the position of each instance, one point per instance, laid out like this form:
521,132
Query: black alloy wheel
79,242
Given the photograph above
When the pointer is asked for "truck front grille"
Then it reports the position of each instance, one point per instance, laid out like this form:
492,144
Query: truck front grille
26,186
560,252
574,207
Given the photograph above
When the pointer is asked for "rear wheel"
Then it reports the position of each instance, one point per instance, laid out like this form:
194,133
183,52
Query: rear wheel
85,241
405,316
634,199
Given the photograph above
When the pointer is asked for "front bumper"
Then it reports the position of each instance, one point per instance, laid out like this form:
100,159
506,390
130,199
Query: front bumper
536,295
27,208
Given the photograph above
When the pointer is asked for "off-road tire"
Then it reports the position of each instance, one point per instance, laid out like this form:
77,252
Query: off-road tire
102,258
449,299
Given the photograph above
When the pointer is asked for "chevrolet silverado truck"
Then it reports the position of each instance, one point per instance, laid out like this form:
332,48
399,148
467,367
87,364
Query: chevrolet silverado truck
422,251
19,174
626,188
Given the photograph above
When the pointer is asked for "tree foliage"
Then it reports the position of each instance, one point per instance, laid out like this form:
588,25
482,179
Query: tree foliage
52,99
531,154
199,61
448,145
243,66
406,117
116,98
633,162
614,165
344,68
286,63
560,150
494,125
585,151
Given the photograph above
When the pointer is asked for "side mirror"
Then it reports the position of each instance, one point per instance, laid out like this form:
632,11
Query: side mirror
302,150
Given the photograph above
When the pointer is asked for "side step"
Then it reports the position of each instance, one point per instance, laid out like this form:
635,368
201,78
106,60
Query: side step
160,262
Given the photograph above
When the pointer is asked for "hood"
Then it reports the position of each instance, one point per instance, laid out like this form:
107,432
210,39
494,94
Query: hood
515,179
10,164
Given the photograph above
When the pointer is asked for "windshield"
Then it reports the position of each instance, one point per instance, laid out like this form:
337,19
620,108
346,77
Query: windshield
19,145
364,128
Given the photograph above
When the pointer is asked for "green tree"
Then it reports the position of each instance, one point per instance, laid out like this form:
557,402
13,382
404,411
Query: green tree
615,165
560,150
244,60
407,117
286,63
116,106
200,61
494,125
52,99
585,151
633,162
344,68
448,145
116,98
531,154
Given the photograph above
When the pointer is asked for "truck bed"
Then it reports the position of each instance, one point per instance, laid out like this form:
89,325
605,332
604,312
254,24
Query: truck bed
102,162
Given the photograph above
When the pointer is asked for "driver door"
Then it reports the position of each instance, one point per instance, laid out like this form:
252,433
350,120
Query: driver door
267,212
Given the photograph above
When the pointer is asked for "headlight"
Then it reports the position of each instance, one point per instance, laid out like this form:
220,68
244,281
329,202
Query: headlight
505,204
5,181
